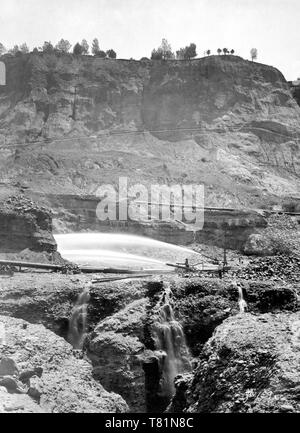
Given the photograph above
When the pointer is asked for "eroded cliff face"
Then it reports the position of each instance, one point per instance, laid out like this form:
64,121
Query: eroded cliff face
25,225
221,121
73,213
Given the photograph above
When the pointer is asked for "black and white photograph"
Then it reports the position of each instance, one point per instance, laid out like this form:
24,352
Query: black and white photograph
150,210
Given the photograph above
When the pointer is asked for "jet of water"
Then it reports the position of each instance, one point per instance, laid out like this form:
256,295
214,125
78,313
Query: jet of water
106,258
119,250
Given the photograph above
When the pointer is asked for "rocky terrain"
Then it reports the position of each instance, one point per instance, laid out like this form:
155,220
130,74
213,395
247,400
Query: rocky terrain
120,343
71,123
63,100
120,366
39,372
251,364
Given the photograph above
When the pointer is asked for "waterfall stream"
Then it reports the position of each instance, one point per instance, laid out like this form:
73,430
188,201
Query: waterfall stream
169,338
77,322
242,302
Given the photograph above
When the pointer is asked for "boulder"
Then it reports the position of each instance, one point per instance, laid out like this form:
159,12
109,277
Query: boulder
12,384
258,245
35,387
8,367
251,364
115,348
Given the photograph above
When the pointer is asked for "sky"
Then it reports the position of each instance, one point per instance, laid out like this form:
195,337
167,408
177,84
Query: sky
134,27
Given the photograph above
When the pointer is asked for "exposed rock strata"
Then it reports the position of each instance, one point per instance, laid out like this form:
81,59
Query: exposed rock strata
25,225
78,213
229,124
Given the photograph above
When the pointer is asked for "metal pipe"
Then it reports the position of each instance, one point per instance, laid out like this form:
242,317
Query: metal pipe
86,270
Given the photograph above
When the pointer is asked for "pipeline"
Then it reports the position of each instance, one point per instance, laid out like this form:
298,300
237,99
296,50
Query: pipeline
91,270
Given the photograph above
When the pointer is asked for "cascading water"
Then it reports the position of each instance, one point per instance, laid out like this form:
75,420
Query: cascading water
77,322
242,302
169,338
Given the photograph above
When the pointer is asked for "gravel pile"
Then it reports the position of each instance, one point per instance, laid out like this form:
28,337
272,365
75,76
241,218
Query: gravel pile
70,268
279,267
22,204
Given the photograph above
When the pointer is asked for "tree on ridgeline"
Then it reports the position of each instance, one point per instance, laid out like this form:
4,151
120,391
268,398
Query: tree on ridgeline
14,50
24,48
77,50
47,48
166,50
186,53
156,54
111,54
253,54
101,54
232,52
163,52
208,52
63,46
2,49
225,51
219,51
95,47
180,54
35,50
190,51
85,46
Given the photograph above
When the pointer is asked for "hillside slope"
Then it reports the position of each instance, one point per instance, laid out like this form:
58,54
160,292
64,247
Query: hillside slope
70,123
